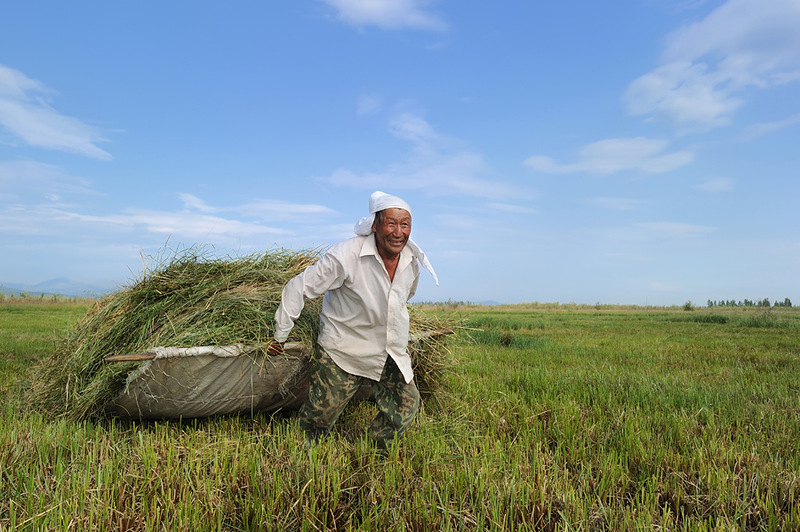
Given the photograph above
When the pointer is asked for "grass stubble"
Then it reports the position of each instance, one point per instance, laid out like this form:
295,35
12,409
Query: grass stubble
551,420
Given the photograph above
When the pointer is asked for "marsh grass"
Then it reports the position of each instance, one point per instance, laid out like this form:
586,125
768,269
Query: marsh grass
29,332
552,420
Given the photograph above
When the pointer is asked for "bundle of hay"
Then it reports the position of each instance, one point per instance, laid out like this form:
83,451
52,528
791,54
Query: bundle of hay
190,300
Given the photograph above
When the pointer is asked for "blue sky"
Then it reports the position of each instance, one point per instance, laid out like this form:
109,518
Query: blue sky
634,152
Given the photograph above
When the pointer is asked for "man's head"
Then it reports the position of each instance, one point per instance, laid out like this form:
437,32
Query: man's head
381,207
392,228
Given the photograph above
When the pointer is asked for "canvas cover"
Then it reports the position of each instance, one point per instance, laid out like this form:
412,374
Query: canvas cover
208,380
190,382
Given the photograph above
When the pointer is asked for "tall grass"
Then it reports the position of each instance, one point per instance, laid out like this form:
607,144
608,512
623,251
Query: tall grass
553,419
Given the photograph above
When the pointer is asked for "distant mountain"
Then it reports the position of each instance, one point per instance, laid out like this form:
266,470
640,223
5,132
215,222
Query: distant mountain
60,286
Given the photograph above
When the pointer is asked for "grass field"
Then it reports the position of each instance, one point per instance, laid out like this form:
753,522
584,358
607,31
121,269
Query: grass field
556,418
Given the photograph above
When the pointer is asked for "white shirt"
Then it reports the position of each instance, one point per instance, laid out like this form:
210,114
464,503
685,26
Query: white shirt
364,316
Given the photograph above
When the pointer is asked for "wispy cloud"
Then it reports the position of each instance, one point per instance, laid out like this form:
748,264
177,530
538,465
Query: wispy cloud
193,219
458,222
369,104
413,128
755,131
615,155
706,66
716,185
264,209
33,182
25,113
675,229
285,211
615,204
194,226
435,164
511,208
387,14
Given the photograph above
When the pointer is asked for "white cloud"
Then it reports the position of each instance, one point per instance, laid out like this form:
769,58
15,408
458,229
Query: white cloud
707,65
369,104
192,202
511,208
755,131
716,185
274,210
183,224
675,229
459,222
615,155
408,126
24,112
30,182
264,209
48,216
387,14
615,204
433,165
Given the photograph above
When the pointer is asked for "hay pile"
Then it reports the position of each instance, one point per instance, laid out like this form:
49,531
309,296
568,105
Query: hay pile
190,300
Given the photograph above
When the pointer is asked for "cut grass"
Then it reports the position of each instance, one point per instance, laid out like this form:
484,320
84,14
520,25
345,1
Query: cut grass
189,299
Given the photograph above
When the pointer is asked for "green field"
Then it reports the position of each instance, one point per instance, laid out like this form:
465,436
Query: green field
555,418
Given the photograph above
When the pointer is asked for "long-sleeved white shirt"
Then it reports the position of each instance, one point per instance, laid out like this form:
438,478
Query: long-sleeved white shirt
364,316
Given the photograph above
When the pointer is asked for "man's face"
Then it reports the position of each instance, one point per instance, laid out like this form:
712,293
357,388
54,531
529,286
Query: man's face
392,232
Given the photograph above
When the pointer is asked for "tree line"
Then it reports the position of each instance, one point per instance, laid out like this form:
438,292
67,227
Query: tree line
749,303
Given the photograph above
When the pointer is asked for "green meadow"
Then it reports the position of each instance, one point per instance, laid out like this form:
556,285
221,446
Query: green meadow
554,418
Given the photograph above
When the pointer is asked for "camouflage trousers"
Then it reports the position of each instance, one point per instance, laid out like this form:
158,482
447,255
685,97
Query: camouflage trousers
332,388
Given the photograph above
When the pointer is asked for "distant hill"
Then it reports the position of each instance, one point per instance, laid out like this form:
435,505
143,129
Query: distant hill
60,286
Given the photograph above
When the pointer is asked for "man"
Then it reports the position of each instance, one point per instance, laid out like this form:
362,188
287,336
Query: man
367,282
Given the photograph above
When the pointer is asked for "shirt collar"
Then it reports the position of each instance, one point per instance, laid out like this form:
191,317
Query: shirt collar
370,247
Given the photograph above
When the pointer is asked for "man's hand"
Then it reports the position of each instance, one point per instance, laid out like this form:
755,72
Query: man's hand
275,348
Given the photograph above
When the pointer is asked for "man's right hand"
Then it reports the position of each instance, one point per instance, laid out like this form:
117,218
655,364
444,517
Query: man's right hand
275,348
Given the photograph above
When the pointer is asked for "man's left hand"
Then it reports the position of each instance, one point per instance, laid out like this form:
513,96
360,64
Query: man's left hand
275,348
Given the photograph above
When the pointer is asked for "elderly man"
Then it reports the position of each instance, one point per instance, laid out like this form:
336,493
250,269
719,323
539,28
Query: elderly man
366,281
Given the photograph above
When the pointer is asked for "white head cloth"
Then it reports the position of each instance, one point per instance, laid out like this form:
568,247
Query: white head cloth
379,201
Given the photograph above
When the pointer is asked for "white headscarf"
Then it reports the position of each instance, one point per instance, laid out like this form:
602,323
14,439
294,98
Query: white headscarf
379,201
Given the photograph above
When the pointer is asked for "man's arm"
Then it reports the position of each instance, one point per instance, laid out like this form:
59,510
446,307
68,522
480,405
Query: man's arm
317,279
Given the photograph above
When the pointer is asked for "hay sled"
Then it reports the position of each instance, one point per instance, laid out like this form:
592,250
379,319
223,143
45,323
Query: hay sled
190,382
222,307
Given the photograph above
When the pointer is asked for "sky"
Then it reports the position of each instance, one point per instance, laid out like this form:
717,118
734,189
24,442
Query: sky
639,152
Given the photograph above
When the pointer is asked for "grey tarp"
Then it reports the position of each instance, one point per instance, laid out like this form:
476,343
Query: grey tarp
207,380
189,382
